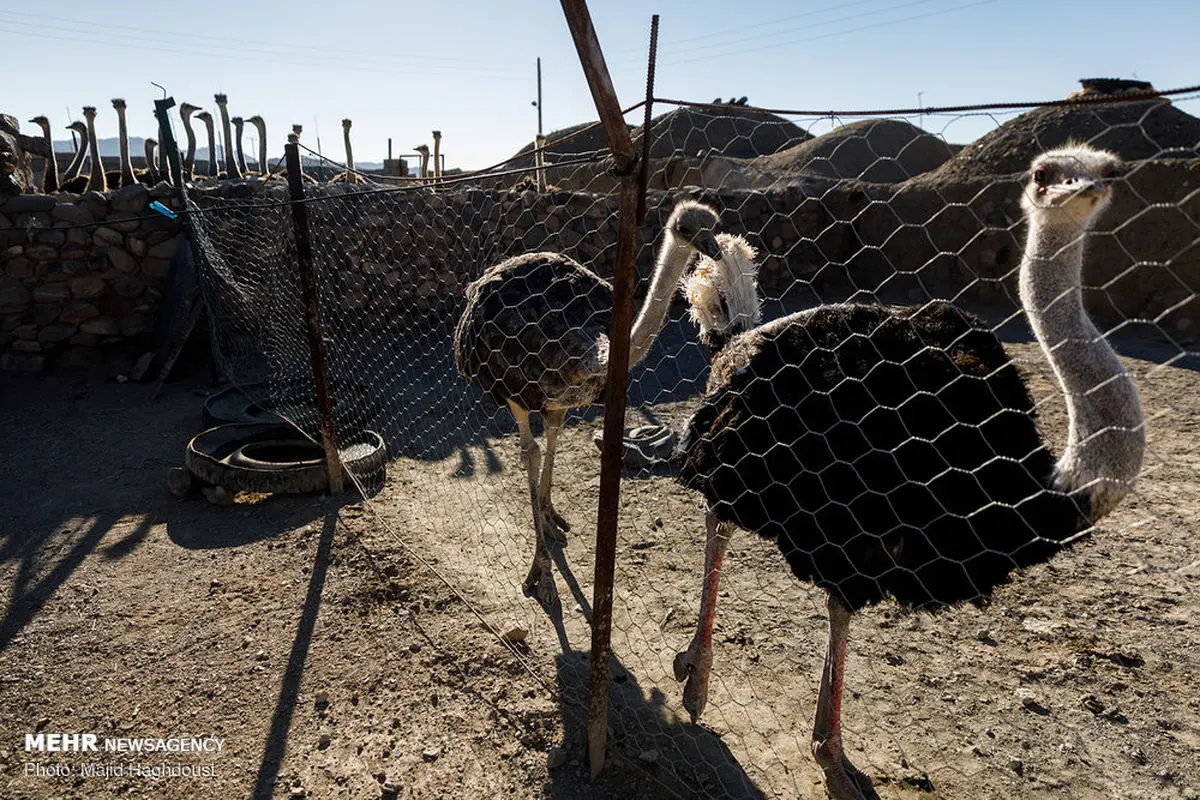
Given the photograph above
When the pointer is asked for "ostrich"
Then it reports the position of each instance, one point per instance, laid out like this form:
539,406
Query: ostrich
437,157
50,178
893,451
238,125
126,172
186,110
164,168
231,165
534,335
207,119
349,176
297,129
150,175
73,180
423,149
97,180
261,126
722,295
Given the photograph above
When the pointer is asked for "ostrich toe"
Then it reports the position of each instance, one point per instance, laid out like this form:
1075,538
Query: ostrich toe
539,584
843,780
693,666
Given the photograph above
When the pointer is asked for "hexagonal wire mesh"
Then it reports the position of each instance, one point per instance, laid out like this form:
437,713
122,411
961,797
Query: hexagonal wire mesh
872,443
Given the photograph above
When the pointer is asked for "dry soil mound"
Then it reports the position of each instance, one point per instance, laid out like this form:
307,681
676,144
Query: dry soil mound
737,133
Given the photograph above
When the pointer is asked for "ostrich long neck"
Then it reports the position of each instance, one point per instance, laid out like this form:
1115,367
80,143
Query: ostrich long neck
164,169
1106,438
231,166
350,176
672,260
126,162
76,165
149,146
50,181
239,126
212,147
189,158
96,181
262,147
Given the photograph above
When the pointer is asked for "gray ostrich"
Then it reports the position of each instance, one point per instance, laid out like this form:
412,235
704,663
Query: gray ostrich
50,177
893,452
231,165
126,176
73,180
210,129
97,181
534,335
186,110
261,126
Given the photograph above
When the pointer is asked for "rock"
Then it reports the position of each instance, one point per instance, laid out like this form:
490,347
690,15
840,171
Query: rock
56,333
29,204
75,213
85,339
123,221
79,312
431,753
24,346
556,758
1031,701
86,287
321,698
19,268
515,635
1016,765
389,790
134,324
128,286
218,495
51,293
104,326
103,237
137,246
28,332
14,299
131,198
324,739
648,756
96,203
180,482
22,362
41,252
165,249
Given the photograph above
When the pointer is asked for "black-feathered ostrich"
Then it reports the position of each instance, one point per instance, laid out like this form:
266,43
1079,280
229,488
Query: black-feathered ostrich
893,451
534,335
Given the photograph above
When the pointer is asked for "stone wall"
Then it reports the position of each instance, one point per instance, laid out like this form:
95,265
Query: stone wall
80,276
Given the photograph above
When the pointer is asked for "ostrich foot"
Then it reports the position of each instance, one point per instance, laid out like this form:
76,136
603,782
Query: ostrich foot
693,665
554,527
539,584
843,780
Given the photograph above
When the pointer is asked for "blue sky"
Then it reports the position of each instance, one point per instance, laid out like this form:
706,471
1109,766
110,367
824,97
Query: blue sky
466,67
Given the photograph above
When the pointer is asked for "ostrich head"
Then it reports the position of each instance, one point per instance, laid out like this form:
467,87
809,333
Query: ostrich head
118,103
256,120
41,121
221,99
723,294
423,149
187,109
346,123
1070,185
89,112
691,225
78,127
205,117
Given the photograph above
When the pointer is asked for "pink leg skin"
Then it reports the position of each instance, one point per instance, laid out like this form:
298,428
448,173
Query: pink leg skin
695,663
843,780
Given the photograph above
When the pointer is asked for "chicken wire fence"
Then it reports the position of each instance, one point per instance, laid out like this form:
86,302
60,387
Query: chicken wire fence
881,210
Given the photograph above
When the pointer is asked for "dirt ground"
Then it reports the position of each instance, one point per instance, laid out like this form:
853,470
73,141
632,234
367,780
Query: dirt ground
338,648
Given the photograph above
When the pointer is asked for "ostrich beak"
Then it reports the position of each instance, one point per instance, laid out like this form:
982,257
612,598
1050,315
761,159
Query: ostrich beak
706,243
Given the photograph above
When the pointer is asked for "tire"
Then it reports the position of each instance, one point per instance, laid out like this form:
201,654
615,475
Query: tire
278,459
232,405
644,447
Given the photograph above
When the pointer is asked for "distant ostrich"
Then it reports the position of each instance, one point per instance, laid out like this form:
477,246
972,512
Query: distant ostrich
349,176
186,110
73,180
423,149
437,158
207,119
231,164
534,335
304,176
50,178
238,125
164,168
96,181
126,175
893,451
150,175
261,126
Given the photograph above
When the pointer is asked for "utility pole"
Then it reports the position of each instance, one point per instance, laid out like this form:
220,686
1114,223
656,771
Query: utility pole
920,111
538,103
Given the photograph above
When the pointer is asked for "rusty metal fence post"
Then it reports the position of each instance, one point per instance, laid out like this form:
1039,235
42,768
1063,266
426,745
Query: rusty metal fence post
312,317
592,59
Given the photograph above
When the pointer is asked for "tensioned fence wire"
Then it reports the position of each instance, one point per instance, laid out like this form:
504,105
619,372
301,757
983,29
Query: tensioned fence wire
891,209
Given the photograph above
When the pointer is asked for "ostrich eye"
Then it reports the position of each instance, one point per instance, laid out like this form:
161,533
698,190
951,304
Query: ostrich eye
685,230
1039,177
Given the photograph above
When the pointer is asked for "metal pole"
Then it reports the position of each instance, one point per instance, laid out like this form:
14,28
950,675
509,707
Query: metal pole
161,107
539,103
605,97
312,313
644,172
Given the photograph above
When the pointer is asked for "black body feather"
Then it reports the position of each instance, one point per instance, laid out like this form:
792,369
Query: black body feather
888,451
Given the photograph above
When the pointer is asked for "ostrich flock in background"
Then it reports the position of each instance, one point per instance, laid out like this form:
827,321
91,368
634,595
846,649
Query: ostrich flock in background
86,171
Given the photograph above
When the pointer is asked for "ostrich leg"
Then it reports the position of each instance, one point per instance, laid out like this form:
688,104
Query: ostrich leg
695,663
842,779
554,526
539,582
